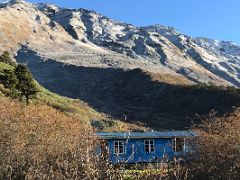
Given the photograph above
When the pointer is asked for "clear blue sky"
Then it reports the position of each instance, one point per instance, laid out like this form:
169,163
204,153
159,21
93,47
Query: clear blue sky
219,19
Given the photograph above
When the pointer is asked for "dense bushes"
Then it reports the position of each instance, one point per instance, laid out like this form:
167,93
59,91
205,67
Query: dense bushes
38,142
217,155
219,149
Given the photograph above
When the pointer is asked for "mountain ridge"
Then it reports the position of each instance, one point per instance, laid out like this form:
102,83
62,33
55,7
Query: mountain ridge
154,48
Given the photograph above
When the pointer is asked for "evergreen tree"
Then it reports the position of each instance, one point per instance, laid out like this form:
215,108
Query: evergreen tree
6,58
26,85
10,81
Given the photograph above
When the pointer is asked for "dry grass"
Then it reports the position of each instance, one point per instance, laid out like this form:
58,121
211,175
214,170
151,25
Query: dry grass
39,142
170,78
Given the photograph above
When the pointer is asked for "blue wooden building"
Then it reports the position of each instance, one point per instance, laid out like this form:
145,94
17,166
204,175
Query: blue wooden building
144,147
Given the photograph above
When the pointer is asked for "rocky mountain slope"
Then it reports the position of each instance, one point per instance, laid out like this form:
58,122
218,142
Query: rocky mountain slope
86,38
82,54
197,59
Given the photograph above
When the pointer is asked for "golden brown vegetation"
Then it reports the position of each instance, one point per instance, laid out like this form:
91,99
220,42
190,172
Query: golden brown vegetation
38,142
218,155
216,152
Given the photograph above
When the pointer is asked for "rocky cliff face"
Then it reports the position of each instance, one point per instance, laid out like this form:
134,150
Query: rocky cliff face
219,57
197,59
86,38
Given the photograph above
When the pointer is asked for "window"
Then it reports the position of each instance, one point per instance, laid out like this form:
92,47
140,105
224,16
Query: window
149,146
178,144
118,147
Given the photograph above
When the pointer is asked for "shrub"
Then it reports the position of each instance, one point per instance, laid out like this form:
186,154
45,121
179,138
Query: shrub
38,142
233,90
218,149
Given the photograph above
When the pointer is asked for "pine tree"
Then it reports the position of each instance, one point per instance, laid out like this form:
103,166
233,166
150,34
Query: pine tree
26,85
10,81
6,58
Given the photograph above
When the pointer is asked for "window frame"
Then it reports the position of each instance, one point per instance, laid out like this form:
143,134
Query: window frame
118,145
149,146
175,145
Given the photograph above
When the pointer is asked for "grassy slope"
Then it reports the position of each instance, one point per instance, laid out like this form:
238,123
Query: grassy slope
58,102
73,107
83,111
67,105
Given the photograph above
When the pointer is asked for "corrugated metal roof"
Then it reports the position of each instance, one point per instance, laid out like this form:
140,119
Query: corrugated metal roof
145,135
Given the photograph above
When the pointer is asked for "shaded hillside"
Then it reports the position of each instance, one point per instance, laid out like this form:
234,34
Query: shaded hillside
56,101
160,101
164,105
71,107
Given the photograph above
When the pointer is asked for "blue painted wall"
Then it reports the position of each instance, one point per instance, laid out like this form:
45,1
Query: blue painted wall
135,152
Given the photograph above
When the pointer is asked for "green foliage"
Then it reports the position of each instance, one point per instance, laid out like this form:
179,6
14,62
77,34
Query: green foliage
26,86
44,96
10,81
6,58
207,86
58,102
4,66
233,90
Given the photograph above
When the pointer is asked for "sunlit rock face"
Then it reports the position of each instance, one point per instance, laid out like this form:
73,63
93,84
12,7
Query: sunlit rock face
85,38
